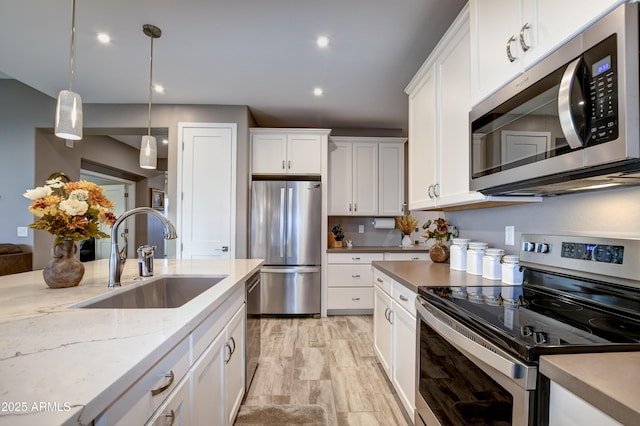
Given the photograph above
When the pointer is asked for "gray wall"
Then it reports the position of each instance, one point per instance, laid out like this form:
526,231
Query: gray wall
26,140
611,212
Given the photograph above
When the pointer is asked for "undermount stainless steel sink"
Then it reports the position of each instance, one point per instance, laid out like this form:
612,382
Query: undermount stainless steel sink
163,292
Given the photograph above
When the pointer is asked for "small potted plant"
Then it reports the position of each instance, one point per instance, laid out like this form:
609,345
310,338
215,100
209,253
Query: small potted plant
441,232
406,224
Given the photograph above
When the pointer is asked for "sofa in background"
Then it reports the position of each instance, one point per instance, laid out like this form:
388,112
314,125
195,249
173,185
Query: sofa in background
14,260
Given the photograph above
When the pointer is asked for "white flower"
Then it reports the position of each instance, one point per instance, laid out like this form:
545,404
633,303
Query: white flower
37,193
79,194
74,207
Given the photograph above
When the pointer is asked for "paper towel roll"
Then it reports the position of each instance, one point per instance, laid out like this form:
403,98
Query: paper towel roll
384,223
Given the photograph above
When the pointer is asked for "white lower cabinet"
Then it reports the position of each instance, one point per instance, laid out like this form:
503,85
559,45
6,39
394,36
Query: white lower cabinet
424,255
394,336
349,282
568,409
200,381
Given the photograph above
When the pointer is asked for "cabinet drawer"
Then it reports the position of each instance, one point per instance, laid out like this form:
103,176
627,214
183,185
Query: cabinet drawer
383,281
349,275
354,257
407,256
404,297
136,406
350,298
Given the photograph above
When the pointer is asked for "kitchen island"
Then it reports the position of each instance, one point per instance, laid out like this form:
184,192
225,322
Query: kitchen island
600,379
64,365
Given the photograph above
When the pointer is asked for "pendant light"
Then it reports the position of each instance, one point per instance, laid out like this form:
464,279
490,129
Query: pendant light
148,145
69,105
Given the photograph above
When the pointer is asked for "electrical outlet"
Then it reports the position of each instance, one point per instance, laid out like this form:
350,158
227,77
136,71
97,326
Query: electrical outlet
509,235
361,229
22,231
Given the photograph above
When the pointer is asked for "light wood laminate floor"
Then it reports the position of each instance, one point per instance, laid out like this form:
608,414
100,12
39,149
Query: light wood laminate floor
327,361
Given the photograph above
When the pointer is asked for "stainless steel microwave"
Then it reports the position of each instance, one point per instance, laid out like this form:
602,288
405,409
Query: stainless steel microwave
571,122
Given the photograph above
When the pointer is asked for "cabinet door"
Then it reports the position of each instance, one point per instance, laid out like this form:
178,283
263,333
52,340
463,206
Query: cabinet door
365,179
391,179
340,179
269,154
568,409
304,154
493,23
453,120
558,21
235,364
404,356
207,384
382,329
422,142
176,409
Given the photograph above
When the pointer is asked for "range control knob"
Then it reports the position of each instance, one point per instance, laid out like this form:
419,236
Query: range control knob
542,248
526,330
540,337
527,246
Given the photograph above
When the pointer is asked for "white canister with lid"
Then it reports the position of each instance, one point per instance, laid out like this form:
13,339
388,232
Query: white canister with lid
475,253
492,264
458,254
511,273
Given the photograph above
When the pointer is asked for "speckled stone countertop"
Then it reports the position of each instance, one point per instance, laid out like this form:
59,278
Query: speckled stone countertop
379,249
608,381
63,366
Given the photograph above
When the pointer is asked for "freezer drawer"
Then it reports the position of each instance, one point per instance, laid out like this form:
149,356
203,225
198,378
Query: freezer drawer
290,290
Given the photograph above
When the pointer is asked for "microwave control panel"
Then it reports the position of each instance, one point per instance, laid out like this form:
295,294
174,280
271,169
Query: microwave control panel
600,64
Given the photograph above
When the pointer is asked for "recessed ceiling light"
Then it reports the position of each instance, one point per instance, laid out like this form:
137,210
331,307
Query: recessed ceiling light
158,88
317,91
104,38
322,41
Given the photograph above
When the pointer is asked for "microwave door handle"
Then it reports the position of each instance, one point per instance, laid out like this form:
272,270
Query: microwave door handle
564,106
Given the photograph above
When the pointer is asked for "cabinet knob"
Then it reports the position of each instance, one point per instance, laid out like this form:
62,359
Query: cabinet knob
509,55
523,44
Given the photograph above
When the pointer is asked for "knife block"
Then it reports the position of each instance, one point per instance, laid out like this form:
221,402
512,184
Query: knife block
332,241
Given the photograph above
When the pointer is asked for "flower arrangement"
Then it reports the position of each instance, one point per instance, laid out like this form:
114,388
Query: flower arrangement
70,211
406,224
442,231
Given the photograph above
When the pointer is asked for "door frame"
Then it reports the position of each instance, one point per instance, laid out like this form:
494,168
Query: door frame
234,161
130,187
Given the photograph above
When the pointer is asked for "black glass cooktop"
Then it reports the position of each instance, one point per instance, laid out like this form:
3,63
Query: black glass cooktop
548,314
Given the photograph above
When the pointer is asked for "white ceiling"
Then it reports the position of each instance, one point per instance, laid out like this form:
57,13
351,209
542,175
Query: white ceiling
259,53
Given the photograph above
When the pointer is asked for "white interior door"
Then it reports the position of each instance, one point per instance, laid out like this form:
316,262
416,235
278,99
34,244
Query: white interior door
207,181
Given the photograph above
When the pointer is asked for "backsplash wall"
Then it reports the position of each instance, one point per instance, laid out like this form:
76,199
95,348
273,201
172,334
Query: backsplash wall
611,213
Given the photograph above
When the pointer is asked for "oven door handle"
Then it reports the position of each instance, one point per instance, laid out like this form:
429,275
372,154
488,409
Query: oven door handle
503,365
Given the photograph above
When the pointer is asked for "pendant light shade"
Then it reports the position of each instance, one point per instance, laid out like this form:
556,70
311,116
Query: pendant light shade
69,105
148,145
148,152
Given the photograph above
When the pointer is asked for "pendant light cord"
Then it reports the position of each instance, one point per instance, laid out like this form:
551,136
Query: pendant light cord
73,44
150,86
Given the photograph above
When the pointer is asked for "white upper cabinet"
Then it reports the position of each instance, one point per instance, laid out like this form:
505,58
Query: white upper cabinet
287,151
508,36
366,176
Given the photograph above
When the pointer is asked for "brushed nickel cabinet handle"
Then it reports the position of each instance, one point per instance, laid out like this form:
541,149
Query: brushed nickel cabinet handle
349,206
379,280
355,276
509,55
403,298
226,360
289,163
283,165
172,416
355,299
523,44
234,345
164,387
355,258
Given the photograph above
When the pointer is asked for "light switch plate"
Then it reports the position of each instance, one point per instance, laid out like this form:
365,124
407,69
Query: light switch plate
361,229
22,231
509,235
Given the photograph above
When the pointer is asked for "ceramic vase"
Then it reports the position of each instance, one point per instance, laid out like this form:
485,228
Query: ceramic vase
439,252
406,241
64,269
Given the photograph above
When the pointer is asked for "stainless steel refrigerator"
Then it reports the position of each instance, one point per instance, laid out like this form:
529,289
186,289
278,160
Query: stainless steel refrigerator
285,232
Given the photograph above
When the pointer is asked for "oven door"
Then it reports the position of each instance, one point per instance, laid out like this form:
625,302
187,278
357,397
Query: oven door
463,379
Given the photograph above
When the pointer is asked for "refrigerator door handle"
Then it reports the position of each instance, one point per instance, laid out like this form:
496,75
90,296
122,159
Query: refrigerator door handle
289,220
298,269
282,222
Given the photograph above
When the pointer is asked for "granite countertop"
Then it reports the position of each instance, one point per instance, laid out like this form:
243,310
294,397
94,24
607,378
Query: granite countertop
379,249
602,379
77,361
607,381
